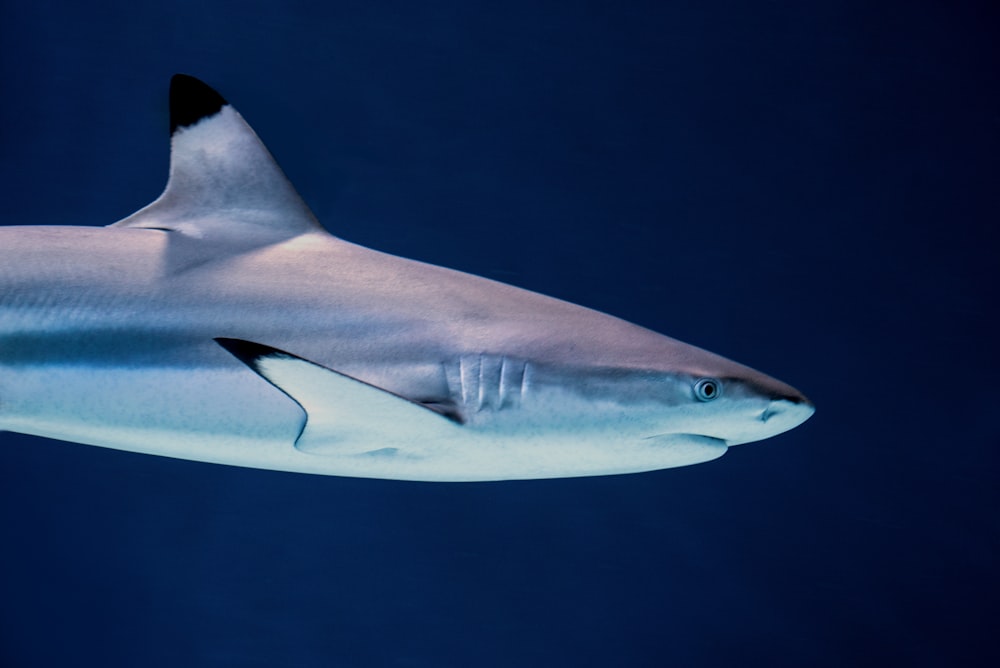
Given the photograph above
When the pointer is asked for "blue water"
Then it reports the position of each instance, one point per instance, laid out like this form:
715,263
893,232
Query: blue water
809,188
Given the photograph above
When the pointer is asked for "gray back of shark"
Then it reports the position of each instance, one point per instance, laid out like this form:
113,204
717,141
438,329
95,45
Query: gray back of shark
222,323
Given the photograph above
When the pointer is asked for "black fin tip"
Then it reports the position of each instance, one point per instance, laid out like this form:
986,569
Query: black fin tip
249,352
191,100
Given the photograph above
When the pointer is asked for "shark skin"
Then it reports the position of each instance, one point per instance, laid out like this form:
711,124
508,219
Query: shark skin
222,323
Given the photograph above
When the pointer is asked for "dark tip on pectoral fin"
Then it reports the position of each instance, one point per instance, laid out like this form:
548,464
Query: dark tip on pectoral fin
249,352
190,101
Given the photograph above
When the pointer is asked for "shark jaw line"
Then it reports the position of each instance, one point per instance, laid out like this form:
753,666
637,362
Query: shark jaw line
672,437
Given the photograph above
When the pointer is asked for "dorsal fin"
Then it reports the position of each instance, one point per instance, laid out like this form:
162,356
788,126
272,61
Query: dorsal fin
223,185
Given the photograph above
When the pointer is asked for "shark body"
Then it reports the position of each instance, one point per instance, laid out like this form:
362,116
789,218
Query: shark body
222,323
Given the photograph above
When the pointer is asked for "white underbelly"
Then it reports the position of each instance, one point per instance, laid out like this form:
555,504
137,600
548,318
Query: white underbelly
233,417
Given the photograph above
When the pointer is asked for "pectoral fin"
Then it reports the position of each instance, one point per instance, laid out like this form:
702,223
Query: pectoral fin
343,414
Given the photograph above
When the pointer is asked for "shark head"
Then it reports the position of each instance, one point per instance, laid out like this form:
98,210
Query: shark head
684,395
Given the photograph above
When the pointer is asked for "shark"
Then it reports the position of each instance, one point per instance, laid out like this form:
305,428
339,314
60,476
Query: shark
222,323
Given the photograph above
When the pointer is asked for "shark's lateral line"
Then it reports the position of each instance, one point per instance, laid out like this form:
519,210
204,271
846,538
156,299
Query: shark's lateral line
222,323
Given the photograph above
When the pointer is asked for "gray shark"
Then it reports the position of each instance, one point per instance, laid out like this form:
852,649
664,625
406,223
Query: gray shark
222,323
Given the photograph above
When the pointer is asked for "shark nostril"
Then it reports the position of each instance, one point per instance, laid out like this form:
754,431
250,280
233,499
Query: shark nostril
769,413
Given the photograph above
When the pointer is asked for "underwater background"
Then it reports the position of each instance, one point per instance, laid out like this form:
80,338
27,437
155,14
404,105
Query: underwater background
808,188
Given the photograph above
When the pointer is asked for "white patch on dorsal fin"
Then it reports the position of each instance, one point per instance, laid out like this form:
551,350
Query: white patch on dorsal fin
343,415
223,185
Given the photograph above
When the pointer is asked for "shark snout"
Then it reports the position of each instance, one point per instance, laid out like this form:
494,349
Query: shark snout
783,414
784,404
794,405
775,410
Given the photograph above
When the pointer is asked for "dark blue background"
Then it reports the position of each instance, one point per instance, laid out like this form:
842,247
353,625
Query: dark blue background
806,187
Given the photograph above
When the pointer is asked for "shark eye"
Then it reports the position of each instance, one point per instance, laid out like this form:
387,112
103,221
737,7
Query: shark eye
707,389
